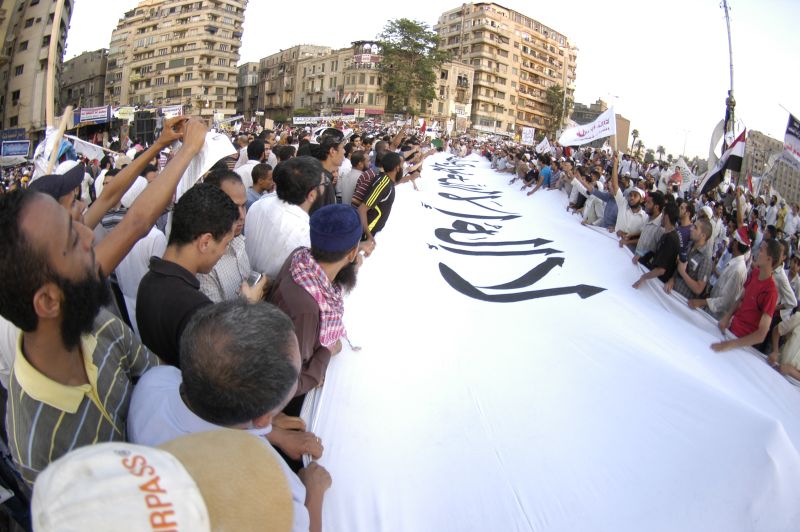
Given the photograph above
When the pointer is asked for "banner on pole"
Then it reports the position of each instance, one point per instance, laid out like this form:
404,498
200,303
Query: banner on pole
604,126
791,143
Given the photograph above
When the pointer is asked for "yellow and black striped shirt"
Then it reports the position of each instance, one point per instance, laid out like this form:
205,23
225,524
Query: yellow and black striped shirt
46,419
379,200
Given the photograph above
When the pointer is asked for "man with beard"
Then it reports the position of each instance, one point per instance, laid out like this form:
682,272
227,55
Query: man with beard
729,286
691,276
630,216
75,364
228,278
278,225
330,152
310,288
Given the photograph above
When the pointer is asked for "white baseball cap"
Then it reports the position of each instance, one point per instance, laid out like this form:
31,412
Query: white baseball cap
217,480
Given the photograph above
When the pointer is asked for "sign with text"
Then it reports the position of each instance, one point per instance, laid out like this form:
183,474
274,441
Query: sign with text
14,148
528,134
96,115
604,126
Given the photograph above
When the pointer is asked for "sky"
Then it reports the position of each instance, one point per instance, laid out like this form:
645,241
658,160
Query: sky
663,65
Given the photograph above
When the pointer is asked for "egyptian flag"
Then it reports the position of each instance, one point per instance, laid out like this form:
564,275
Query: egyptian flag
750,182
730,160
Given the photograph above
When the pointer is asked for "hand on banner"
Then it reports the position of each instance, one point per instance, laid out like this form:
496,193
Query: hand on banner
638,283
773,359
724,323
367,247
283,421
173,130
721,346
697,303
668,285
296,443
315,478
194,136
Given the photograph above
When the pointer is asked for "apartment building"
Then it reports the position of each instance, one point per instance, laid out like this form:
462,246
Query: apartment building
277,73
23,61
168,52
757,152
454,96
83,79
516,58
247,91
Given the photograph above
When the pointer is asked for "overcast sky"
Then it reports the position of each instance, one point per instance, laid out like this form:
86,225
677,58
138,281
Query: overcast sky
666,62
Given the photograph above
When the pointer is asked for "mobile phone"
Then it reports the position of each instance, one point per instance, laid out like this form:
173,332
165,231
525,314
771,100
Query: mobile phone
254,278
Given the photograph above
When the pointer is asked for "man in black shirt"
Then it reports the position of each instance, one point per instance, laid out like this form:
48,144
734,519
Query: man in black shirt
664,261
169,294
374,212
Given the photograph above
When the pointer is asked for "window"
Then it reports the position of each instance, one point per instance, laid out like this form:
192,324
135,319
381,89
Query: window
222,62
46,41
362,78
13,121
29,23
220,76
187,92
159,81
187,76
23,46
18,70
14,98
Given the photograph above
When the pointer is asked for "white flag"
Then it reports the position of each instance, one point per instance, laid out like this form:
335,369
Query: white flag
604,126
543,147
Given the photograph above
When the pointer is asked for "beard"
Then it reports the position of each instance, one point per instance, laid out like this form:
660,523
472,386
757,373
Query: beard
347,277
319,202
82,303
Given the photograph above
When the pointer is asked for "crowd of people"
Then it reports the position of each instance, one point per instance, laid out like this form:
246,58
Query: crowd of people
131,320
725,252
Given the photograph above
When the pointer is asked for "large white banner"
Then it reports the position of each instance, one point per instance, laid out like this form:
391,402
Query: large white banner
604,126
510,378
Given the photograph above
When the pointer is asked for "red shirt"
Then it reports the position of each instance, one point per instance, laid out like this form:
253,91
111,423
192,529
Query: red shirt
760,297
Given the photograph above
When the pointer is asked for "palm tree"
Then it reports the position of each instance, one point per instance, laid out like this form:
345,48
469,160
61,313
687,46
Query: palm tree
660,151
635,136
638,145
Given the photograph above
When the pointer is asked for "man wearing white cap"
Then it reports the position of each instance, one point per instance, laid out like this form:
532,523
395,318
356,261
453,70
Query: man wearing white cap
630,217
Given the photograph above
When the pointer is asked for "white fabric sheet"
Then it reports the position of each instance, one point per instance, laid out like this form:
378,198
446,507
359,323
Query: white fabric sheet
609,413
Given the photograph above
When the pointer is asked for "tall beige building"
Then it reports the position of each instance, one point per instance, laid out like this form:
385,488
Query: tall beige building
454,96
171,52
23,66
757,152
247,91
516,59
83,79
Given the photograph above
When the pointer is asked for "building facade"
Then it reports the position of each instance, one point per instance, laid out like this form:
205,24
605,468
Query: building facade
167,52
247,91
516,59
83,79
277,77
23,68
780,175
453,104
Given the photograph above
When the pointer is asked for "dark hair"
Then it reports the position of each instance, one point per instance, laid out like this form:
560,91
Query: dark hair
106,160
391,160
773,249
305,149
219,166
112,172
235,361
295,178
221,176
255,150
149,168
671,212
689,208
203,209
772,231
260,171
284,152
327,142
329,257
357,158
348,149
657,198
23,268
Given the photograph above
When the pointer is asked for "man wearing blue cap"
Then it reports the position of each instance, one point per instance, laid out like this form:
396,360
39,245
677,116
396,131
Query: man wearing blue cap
310,289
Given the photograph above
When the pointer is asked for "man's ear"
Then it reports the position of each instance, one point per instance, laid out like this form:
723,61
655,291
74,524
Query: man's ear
264,421
203,242
47,301
353,254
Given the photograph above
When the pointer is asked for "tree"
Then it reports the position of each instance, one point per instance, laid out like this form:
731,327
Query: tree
638,145
555,100
649,156
635,135
660,151
410,65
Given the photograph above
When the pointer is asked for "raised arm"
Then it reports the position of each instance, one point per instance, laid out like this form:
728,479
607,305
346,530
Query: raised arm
614,184
152,202
116,188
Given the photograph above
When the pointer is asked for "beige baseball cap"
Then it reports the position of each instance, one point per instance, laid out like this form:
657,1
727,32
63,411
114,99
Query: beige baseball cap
221,480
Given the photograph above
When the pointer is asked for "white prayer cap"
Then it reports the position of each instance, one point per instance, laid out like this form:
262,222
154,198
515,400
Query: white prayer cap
217,480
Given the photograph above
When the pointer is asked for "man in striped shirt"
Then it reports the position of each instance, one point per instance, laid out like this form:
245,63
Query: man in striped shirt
374,211
74,364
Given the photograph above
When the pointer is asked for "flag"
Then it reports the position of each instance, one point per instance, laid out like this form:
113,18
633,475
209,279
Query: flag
750,182
604,126
543,147
423,126
791,142
730,160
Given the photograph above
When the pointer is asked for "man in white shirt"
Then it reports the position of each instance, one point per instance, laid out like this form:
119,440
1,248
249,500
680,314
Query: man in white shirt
240,364
630,216
255,155
225,279
276,226
242,142
135,265
772,211
347,182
